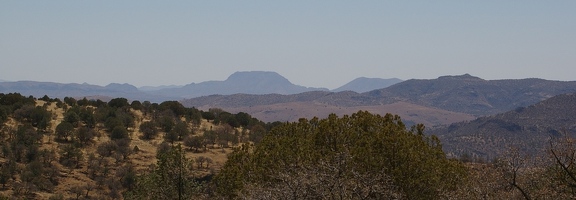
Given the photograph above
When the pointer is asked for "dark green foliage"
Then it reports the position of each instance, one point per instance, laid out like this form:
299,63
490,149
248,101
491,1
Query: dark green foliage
7,172
136,105
83,102
195,142
87,116
361,146
26,135
84,135
113,122
15,100
118,103
41,118
166,123
119,132
242,118
148,130
64,130
194,115
210,138
174,106
127,176
41,175
72,117
24,145
257,133
45,98
225,135
146,107
181,130
171,137
70,156
124,149
35,115
70,101
107,149
171,178
269,126
208,116
4,110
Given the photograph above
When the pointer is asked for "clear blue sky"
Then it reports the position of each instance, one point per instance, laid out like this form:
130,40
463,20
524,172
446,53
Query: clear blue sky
312,43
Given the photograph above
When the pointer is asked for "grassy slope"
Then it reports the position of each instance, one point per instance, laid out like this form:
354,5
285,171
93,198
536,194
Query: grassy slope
140,160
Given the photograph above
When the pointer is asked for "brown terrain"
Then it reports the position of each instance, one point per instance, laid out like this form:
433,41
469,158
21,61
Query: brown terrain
141,160
529,129
432,102
292,111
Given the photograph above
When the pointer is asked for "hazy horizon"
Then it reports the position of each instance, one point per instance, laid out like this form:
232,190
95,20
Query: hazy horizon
314,44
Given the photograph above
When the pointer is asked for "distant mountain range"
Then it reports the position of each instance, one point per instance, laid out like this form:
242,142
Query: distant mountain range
527,129
156,88
61,90
272,97
253,82
473,95
464,94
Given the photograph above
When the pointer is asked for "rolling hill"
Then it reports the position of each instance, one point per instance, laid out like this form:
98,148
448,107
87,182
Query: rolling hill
527,128
473,95
464,95
364,84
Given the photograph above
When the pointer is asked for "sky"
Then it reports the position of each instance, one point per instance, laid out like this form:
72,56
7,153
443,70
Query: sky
311,43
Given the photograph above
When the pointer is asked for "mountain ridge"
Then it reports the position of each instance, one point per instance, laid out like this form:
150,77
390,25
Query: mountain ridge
249,82
246,82
459,94
363,84
526,128
474,95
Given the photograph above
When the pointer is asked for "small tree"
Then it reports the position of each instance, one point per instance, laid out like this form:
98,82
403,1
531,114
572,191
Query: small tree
119,132
70,156
193,142
85,135
171,178
64,130
148,130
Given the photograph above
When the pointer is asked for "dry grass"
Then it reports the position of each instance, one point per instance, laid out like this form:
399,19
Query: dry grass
141,160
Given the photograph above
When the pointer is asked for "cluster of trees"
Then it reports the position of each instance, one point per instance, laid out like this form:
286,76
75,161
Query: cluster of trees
95,137
361,156
23,159
516,175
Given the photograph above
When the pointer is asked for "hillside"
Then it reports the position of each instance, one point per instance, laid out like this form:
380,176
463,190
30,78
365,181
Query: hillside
473,95
71,149
526,128
276,107
364,84
97,150
461,95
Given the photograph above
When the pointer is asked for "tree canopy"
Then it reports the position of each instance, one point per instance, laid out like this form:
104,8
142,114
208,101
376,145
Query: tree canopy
358,156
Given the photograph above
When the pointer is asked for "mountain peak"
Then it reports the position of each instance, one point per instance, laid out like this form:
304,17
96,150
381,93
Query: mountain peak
461,77
121,87
260,76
